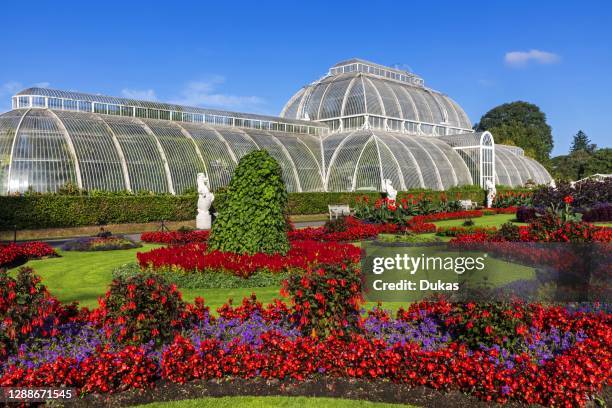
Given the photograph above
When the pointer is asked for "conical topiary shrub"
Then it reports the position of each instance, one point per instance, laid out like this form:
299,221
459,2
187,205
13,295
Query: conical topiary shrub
253,215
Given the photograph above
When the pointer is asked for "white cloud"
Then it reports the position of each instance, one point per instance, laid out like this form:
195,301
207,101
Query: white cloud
522,58
10,88
144,94
203,93
42,85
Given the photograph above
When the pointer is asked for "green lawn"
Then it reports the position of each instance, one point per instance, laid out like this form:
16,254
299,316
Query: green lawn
84,276
269,402
484,221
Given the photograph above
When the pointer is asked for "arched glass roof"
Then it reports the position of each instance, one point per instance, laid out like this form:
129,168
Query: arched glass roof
43,150
467,140
82,102
101,143
371,89
361,159
513,168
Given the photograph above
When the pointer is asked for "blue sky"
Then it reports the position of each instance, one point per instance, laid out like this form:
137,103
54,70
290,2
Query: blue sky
252,56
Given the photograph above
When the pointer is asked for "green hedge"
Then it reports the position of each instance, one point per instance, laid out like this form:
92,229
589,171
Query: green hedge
57,211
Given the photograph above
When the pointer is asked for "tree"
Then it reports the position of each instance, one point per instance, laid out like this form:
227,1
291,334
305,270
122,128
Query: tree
582,142
520,124
252,218
581,163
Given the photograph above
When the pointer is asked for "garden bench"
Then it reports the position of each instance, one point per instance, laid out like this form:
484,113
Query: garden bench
467,204
338,210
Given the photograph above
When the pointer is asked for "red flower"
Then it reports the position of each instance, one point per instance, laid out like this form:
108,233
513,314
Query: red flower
568,199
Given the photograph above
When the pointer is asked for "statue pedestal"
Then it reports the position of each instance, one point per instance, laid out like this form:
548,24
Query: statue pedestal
203,220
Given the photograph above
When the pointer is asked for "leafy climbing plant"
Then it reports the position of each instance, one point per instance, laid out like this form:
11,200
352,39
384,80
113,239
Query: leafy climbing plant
252,218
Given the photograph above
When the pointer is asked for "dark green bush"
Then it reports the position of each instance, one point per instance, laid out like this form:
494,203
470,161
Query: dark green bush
141,308
326,300
253,217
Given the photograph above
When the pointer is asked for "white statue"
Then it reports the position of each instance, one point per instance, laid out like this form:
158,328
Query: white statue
491,192
205,199
391,192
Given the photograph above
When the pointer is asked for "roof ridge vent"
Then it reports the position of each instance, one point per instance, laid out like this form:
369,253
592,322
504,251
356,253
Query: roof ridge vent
371,68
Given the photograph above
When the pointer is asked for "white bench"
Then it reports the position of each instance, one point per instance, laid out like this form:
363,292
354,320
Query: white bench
338,210
467,204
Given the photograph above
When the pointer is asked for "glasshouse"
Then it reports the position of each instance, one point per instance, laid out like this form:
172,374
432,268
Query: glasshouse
358,125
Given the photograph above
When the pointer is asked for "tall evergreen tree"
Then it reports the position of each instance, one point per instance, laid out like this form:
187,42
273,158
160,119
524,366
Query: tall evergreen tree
582,142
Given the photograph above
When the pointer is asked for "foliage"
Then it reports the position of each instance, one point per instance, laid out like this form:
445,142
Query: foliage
140,308
16,254
336,225
32,211
522,353
582,142
175,237
351,229
384,210
520,124
526,214
26,309
58,211
454,231
407,237
111,243
326,299
512,199
582,163
585,194
254,216
212,280
598,213
510,232
468,223
490,324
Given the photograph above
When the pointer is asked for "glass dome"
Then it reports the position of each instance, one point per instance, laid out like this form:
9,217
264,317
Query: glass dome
390,99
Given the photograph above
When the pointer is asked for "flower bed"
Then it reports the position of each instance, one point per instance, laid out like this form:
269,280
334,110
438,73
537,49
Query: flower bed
512,199
513,352
194,258
397,211
354,230
454,231
16,254
455,215
175,237
505,210
110,243
421,224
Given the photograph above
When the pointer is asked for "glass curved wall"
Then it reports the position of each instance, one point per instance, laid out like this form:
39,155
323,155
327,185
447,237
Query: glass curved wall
43,150
362,159
478,152
513,168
